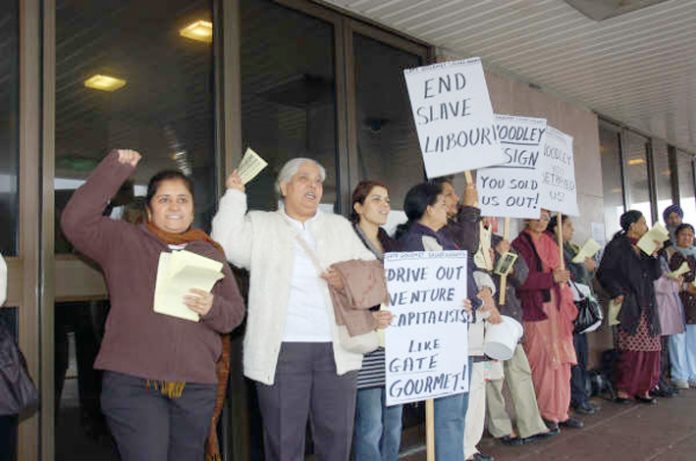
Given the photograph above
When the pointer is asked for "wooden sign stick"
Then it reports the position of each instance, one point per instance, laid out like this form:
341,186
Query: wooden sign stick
559,235
430,429
503,278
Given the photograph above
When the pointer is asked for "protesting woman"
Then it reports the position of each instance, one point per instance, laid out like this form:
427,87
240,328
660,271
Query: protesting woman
159,383
292,348
682,344
548,312
377,427
627,274
426,209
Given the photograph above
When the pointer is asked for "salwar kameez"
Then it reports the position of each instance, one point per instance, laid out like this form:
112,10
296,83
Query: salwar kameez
639,361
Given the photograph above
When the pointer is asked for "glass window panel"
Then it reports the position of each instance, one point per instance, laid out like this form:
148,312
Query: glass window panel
610,152
165,110
636,166
9,126
686,186
663,173
288,94
388,148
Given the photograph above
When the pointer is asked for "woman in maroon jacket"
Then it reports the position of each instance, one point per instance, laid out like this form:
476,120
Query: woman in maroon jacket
548,312
159,384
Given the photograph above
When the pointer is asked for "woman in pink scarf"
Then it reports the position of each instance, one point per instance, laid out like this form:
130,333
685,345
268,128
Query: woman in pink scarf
548,312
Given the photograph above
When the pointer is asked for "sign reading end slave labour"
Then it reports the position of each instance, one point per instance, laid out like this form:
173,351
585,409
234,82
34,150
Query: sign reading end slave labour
426,344
558,191
512,189
453,116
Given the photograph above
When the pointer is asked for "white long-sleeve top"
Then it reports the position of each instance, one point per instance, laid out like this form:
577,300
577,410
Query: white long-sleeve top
263,243
3,281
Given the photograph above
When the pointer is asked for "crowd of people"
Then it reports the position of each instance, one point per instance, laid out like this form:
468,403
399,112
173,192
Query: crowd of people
164,377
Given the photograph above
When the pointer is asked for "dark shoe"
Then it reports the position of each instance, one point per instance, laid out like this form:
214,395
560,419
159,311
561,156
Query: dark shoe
511,441
551,425
572,423
482,457
663,392
646,400
585,408
622,400
541,436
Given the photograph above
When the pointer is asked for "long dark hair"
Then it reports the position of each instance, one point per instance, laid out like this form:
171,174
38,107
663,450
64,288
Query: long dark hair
166,175
362,190
417,200
626,220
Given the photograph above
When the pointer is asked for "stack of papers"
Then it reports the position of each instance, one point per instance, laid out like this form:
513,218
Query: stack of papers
252,164
647,241
177,274
681,270
588,250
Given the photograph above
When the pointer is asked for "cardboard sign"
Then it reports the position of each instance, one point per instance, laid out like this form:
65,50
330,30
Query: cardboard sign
558,191
453,116
512,189
426,345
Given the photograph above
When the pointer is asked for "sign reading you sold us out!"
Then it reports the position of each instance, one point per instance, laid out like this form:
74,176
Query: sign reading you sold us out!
454,117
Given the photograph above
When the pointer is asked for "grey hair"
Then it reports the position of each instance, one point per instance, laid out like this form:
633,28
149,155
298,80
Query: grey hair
291,167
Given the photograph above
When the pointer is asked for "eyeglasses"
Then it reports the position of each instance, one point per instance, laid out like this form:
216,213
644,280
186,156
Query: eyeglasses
544,217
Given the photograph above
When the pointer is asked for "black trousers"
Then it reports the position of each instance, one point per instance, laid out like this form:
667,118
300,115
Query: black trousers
578,373
8,437
150,426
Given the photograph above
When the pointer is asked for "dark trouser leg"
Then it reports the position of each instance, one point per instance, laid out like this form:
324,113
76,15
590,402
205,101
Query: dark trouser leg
332,406
189,421
578,373
285,404
138,417
8,437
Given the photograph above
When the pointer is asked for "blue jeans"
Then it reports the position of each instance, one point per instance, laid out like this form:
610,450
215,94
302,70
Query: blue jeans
377,427
450,413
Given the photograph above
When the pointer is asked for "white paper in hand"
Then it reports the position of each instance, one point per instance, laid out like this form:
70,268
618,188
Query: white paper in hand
252,164
588,250
647,241
177,274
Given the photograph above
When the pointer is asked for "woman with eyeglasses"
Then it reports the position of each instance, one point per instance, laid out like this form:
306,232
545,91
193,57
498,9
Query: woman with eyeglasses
548,313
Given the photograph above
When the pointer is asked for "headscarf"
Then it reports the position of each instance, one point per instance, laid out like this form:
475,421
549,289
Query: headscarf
629,218
672,209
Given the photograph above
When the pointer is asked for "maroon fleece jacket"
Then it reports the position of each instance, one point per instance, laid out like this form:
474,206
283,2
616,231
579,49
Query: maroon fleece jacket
137,340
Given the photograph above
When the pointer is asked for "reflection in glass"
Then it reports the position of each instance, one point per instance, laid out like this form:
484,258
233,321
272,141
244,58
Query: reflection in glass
288,94
610,153
686,186
663,182
126,77
9,127
388,148
636,166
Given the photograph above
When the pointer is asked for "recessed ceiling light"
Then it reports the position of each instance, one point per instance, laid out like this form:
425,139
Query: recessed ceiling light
199,30
104,82
636,161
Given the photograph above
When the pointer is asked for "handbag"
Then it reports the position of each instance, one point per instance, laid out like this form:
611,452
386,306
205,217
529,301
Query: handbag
18,394
589,312
358,344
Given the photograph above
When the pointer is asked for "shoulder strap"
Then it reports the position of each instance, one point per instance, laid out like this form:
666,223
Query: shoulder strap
305,247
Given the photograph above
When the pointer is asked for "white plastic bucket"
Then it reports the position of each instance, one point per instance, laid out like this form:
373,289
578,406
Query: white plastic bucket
501,339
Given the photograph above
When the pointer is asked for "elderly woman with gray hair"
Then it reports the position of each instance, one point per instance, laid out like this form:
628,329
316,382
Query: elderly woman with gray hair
292,347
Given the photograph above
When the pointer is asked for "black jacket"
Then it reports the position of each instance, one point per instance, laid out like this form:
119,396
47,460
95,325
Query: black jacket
624,272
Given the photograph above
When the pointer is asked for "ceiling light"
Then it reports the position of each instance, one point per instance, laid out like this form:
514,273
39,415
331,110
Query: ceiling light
199,30
636,161
104,83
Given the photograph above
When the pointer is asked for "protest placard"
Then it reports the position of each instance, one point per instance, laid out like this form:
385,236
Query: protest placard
426,344
512,188
558,190
453,116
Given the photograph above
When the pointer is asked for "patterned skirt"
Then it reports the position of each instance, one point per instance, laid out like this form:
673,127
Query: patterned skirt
641,340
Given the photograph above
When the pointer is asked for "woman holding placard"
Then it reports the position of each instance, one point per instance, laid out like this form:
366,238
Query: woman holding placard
426,208
548,312
159,383
581,273
627,273
682,346
377,433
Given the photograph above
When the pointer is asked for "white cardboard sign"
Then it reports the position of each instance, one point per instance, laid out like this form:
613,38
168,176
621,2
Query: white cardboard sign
453,116
426,344
558,188
512,189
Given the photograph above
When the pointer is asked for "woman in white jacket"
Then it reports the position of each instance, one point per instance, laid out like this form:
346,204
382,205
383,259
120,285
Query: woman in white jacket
291,347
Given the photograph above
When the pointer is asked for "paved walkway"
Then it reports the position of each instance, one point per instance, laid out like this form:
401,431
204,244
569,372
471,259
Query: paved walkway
636,432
